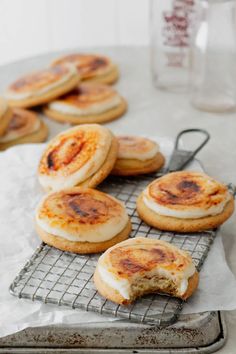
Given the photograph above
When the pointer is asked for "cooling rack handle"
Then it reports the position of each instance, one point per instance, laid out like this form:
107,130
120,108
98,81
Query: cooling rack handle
232,189
180,157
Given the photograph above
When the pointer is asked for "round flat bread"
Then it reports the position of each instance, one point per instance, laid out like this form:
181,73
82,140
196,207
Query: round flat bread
22,123
42,86
139,266
91,66
137,155
77,156
24,128
136,147
81,216
88,103
186,202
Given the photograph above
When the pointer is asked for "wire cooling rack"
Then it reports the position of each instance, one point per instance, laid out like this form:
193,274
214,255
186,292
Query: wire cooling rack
66,279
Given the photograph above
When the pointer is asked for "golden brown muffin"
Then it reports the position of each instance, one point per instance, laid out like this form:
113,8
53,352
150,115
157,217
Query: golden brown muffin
185,202
82,220
140,266
24,127
87,103
42,86
137,155
83,155
92,67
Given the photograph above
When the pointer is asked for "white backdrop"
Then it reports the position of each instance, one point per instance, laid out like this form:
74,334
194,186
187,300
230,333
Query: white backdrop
29,27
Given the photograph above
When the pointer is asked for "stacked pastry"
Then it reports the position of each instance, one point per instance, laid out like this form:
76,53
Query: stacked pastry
87,103
92,101
42,86
74,89
137,156
19,126
29,91
91,67
80,156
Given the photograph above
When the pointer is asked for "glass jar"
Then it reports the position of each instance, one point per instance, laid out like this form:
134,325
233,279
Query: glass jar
213,57
171,24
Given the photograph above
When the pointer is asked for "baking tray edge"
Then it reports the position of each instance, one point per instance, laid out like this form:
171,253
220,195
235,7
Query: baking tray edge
211,348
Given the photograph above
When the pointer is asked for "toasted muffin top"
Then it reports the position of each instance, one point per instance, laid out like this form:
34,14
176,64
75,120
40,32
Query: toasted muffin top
23,122
82,214
77,153
39,80
185,189
136,147
140,255
88,65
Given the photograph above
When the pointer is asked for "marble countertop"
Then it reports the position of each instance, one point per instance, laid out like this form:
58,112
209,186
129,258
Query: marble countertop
154,112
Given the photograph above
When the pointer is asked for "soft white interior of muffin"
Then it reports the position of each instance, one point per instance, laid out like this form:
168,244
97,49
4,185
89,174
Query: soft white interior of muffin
158,279
94,108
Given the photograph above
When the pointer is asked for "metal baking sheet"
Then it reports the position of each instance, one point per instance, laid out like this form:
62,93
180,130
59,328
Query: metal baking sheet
197,333
66,279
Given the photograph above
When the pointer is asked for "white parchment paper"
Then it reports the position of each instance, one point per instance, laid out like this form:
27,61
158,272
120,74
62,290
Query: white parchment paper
20,193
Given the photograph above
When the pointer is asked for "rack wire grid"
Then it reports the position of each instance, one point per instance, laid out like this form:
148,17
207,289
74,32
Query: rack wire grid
66,279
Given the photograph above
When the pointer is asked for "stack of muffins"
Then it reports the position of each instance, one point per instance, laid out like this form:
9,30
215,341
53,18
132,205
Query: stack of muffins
76,217
20,126
75,89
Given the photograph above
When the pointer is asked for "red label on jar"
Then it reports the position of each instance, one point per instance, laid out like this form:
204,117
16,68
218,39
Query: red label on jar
177,21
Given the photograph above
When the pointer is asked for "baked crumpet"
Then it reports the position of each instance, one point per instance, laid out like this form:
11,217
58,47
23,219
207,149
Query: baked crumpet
140,266
185,202
92,67
83,155
137,155
42,86
24,127
82,220
87,103
5,115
